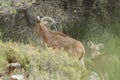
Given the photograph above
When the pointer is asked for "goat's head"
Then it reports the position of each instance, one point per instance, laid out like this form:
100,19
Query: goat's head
95,49
40,23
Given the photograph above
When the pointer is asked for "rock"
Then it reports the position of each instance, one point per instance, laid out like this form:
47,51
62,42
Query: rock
94,76
12,66
17,77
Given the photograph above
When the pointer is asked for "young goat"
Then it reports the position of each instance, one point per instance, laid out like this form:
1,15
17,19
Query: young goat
104,63
58,39
95,49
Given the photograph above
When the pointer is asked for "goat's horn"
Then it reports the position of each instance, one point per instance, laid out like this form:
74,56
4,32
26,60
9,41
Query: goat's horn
100,46
90,43
38,17
48,18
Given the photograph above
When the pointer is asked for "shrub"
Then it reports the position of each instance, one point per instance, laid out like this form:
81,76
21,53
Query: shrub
43,64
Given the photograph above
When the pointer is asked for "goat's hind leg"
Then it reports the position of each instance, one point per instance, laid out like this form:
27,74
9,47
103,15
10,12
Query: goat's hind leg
82,63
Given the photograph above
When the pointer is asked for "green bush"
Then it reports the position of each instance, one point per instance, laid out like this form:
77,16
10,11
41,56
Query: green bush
3,61
43,64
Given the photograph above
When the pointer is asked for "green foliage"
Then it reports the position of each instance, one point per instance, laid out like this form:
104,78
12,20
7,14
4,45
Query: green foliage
10,6
58,65
3,61
0,35
111,41
42,64
71,20
107,65
17,53
100,26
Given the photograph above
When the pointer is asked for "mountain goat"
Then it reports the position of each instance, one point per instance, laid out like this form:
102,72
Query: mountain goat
58,39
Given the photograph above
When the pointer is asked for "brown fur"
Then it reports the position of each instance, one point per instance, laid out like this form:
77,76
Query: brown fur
59,40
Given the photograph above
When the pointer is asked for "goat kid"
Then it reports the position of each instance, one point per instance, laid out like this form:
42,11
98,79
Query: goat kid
95,49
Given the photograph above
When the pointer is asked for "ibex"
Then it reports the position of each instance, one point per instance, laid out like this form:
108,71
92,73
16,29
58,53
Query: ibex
95,49
58,39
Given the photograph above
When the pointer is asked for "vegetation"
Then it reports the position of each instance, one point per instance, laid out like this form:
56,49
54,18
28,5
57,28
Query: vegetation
44,64
84,20
108,63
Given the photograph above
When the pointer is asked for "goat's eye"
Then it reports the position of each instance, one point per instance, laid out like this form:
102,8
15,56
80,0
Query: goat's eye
37,21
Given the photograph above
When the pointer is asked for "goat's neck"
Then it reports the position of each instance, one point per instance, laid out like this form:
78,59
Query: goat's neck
46,33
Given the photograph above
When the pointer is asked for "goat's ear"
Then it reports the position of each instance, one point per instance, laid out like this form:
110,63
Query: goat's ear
90,43
100,46
37,19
